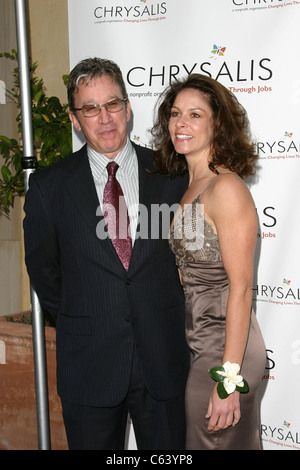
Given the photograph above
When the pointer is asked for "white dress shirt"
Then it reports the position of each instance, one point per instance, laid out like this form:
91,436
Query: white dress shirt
127,175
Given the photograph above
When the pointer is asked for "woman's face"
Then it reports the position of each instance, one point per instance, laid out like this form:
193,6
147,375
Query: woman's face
190,123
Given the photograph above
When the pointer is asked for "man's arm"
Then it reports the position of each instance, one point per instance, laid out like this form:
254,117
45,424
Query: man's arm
41,249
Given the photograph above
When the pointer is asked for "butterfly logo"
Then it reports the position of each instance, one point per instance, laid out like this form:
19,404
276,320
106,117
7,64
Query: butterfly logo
285,423
138,139
288,134
286,282
217,50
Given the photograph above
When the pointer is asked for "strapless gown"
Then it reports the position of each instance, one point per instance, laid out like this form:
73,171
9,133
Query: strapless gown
206,290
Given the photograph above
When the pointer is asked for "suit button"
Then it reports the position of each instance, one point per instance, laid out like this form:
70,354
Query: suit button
127,318
128,282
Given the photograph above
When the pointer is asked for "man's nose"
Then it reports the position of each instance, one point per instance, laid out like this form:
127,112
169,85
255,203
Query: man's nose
104,116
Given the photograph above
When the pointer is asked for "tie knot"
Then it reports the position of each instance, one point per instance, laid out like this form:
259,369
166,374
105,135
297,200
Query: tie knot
112,168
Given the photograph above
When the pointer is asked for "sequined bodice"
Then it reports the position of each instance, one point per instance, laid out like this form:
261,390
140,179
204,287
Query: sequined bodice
192,238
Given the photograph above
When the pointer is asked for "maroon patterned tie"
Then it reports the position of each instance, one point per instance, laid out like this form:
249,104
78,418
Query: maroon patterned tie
116,216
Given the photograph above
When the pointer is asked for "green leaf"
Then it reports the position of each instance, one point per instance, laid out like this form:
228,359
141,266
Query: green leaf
6,140
38,96
4,148
6,173
65,78
221,391
213,372
244,389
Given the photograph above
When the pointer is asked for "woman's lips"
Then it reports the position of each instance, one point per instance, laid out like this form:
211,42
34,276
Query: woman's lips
183,137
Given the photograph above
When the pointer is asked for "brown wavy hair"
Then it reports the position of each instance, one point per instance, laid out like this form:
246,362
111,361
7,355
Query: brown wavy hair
231,145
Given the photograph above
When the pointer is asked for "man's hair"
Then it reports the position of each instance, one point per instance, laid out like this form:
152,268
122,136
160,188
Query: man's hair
89,69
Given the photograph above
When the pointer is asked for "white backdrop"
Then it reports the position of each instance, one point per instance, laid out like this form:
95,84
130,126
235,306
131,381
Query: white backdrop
252,47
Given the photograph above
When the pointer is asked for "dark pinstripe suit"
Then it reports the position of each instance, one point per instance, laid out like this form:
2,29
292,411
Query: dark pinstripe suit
101,310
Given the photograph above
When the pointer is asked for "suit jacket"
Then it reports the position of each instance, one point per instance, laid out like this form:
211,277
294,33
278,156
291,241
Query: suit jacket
102,312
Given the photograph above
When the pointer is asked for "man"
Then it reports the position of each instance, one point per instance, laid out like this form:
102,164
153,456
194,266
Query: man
120,327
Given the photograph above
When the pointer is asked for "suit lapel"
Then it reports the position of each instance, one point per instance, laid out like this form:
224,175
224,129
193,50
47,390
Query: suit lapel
81,188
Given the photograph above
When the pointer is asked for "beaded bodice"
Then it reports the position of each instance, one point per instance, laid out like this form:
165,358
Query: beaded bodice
192,238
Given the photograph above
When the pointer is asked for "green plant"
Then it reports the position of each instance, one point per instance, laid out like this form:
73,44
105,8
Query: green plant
52,135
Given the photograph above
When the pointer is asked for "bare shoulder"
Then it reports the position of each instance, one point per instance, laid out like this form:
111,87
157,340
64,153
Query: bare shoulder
229,186
228,197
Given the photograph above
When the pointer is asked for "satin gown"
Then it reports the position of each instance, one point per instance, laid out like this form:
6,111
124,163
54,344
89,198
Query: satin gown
206,290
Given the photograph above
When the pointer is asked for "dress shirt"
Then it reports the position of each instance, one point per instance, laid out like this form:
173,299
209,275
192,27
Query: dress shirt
127,175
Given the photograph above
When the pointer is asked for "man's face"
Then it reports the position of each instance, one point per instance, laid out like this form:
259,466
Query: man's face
107,132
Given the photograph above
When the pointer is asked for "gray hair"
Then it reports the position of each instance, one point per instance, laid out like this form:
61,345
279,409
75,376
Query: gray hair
89,69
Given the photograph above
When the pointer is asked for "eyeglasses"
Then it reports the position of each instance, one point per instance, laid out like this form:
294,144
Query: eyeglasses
91,110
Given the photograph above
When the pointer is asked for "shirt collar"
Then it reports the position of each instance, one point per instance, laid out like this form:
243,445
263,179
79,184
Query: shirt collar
125,160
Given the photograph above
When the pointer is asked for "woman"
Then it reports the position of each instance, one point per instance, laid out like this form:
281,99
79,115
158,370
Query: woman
201,128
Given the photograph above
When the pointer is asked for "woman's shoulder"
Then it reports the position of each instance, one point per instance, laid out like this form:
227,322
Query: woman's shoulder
229,182
228,191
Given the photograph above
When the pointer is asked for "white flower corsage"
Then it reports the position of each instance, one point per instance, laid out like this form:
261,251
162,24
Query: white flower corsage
228,379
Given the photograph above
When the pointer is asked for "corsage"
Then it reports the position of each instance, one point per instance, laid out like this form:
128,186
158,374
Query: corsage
228,379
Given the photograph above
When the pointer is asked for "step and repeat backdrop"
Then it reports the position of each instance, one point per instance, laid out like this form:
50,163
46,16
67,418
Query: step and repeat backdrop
251,47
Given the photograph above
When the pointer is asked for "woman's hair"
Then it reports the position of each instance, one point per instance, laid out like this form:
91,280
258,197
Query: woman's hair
89,69
231,146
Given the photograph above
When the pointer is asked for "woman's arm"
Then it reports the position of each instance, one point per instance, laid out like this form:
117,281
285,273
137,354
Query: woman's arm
232,210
